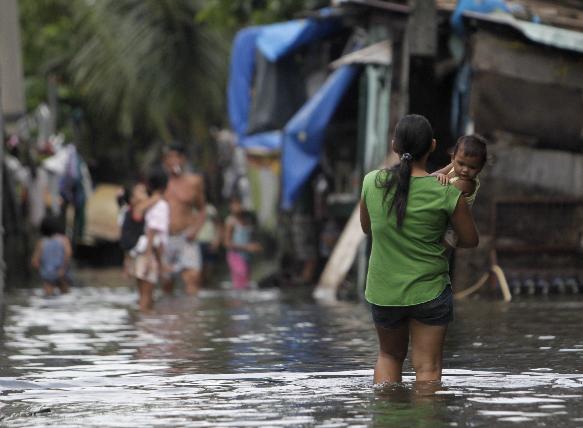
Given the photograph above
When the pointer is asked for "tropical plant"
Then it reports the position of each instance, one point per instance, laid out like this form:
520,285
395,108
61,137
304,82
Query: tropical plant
233,14
131,72
134,71
148,63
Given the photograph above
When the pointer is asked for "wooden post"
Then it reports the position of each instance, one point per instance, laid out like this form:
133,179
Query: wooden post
11,92
2,264
422,28
341,259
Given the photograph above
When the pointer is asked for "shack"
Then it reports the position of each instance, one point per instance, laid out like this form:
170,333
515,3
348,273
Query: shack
523,91
319,97
311,102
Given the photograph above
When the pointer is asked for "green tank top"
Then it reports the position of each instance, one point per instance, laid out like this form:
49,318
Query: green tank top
408,266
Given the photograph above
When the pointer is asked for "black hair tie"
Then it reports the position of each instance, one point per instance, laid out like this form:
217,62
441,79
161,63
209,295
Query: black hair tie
406,157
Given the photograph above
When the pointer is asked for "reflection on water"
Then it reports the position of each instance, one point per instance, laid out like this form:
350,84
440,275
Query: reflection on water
267,358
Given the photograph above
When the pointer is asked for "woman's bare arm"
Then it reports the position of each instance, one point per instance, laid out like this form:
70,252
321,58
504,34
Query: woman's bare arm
467,187
464,226
364,217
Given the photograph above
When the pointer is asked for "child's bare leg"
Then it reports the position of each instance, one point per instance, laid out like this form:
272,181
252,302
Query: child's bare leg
48,288
168,285
308,270
192,280
427,350
146,290
393,344
63,286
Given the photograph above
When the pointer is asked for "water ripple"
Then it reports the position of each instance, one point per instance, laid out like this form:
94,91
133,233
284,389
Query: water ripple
266,358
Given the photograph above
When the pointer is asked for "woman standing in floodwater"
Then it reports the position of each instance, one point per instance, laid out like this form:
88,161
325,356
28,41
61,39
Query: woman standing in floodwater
407,211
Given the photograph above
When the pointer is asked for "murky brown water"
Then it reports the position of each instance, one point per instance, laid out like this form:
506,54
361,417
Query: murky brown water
271,358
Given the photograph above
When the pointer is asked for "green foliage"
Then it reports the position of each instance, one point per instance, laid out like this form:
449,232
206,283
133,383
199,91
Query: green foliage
131,72
148,61
231,15
46,39
137,69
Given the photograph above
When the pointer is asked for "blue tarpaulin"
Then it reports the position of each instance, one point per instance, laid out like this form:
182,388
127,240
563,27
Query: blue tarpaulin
241,78
278,40
265,140
274,42
481,6
304,133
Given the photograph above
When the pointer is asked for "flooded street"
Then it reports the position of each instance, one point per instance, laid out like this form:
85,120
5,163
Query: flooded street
272,358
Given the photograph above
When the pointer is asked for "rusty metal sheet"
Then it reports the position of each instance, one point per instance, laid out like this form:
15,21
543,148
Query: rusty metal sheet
551,113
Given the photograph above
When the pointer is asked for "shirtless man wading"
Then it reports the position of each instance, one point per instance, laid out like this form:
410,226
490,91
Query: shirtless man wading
185,196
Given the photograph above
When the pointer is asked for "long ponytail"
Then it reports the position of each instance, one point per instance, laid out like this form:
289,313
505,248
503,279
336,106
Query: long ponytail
413,137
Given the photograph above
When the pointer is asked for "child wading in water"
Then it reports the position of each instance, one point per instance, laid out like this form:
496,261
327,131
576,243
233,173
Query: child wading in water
52,257
468,159
239,244
134,203
146,258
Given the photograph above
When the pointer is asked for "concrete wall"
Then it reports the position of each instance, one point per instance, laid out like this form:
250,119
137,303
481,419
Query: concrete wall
11,71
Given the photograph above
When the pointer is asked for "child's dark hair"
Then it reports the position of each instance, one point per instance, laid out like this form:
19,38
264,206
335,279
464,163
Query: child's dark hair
123,197
175,146
412,140
249,217
50,226
157,180
473,146
235,197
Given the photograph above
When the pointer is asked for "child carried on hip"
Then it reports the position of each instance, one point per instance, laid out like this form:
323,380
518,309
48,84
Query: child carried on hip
468,160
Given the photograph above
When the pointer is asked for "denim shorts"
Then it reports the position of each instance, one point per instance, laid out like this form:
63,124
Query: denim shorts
438,311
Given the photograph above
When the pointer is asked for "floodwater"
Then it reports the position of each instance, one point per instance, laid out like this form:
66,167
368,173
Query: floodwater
273,358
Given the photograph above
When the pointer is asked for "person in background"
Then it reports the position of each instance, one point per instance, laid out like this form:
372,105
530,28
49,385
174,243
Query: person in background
147,257
239,243
304,236
408,286
134,202
52,257
210,238
186,197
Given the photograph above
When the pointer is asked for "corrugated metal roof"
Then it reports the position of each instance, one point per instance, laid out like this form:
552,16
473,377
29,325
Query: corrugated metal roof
545,34
379,4
557,13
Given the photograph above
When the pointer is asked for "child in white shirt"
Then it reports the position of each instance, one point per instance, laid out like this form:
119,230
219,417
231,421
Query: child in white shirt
148,254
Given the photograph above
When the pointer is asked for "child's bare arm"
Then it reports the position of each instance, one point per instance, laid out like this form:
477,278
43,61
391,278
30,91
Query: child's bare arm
228,234
150,250
467,187
441,174
139,210
443,170
35,260
150,235
254,247
68,250
68,254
